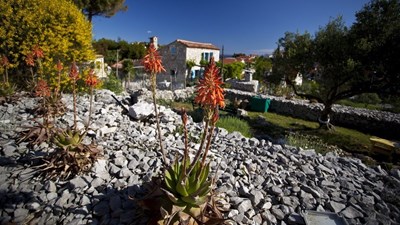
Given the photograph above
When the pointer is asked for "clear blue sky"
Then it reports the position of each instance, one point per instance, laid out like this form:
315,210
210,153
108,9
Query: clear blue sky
252,26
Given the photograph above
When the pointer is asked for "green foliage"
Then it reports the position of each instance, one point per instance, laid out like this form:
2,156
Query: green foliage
184,188
108,48
57,27
100,8
262,66
69,139
113,84
234,70
7,89
368,98
235,124
346,62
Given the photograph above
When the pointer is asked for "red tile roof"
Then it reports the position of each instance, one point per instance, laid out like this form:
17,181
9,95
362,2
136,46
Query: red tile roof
192,44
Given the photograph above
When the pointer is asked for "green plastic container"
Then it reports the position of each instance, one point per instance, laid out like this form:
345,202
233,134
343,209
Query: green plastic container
258,104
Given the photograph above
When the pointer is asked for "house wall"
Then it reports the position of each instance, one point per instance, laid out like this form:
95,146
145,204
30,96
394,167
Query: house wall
174,57
99,68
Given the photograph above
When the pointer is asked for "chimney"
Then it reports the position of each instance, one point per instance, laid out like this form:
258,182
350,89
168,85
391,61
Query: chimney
154,40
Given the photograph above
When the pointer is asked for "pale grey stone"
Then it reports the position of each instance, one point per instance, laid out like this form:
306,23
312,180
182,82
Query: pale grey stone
276,190
278,213
351,213
245,206
335,206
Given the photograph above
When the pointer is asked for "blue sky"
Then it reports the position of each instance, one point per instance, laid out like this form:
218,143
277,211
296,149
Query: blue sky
251,27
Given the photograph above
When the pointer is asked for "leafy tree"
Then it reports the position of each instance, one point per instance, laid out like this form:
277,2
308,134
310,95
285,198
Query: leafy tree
101,7
376,37
108,48
189,65
234,70
343,63
262,65
56,27
129,71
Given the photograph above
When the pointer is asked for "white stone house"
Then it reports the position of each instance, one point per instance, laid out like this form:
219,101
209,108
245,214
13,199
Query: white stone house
176,54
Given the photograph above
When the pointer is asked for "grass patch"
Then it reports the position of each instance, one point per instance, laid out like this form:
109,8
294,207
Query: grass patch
347,102
235,124
278,126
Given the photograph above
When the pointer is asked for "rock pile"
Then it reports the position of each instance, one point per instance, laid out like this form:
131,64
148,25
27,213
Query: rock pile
260,183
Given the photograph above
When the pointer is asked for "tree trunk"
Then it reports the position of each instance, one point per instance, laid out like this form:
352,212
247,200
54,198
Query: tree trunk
324,118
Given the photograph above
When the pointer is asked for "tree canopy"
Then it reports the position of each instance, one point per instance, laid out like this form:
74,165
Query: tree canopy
234,70
106,8
108,48
341,62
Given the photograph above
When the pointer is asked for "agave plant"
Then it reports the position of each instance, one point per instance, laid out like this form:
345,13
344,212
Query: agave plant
188,193
69,139
184,195
71,156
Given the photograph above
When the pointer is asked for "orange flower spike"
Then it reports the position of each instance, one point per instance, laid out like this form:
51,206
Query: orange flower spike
91,80
152,61
29,60
209,90
42,89
74,73
59,66
37,52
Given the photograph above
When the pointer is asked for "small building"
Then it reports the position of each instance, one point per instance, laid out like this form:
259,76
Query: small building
176,54
100,67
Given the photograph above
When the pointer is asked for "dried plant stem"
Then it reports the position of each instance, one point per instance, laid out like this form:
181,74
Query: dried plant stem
153,91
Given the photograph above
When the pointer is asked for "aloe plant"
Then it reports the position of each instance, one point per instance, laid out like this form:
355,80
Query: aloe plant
69,139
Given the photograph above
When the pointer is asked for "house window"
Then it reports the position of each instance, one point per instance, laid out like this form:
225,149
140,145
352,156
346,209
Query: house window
172,50
206,56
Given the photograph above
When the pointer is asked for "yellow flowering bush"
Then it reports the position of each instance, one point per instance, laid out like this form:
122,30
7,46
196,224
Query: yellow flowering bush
58,27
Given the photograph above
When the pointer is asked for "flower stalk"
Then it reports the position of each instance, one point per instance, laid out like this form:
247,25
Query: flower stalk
91,82
74,75
153,64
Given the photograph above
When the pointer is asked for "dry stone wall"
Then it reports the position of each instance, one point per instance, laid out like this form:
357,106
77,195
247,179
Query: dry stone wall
380,123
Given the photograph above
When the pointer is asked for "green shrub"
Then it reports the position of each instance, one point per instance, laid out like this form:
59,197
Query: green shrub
113,84
234,124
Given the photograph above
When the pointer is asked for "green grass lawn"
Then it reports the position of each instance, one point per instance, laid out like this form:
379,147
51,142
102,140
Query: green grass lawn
278,126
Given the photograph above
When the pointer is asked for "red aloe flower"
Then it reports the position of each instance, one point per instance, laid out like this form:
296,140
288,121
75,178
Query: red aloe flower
4,61
37,52
59,66
91,80
29,60
152,61
209,90
74,73
42,89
